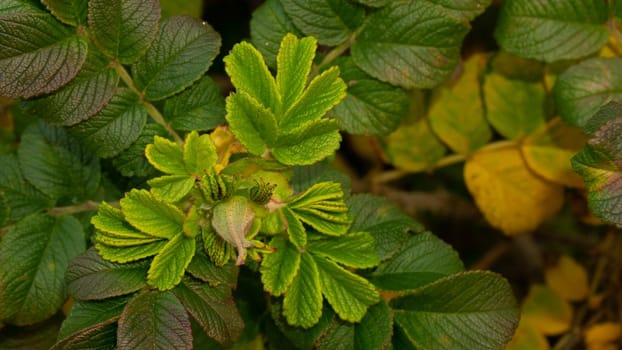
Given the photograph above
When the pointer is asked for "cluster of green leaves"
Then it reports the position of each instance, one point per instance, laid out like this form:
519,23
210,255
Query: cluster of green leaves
111,85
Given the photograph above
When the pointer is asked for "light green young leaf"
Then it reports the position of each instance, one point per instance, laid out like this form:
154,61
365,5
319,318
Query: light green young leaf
37,249
354,249
181,41
295,230
294,62
124,29
131,253
253,124
166,156
322,207
413,44
514,108
330,21
470,310
112,240
56,163
115,127
38,54
21,197
72,12
268,25
324,92
111,221
552,30
171,188
302,305
154,320
583,88
150,215
132,161
192,222
279,268
249,73
308,144
84,96
306,176
201,107
199,153
350,295
232,219
170,264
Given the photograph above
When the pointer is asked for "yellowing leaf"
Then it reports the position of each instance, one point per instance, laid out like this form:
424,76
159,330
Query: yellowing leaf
568,279
527,337
509,195
546,311
602,333
548,152
413,147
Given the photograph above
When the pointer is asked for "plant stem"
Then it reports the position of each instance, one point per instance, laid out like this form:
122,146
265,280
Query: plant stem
338,50
74,209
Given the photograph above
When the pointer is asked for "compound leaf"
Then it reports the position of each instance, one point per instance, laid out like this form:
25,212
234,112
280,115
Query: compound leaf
171,188
170,264
302,305
21,197
356,249
150,215
127,254
132,161
308,144
296,231
201,107
166,156
72,12
322,207
199,153
253,124
294,62
111,221
279,268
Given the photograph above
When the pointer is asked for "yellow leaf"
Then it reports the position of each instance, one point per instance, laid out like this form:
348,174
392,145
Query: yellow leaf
546,311
568,279
602,333
527,337
413,147
509,195
548,152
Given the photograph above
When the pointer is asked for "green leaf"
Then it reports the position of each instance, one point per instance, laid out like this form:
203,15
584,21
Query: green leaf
350,295
132,161
306,176
463,9
130,253
151,215
113,240
552,30
279,268
56,164
232,219
423,259
154,320
470,310
456,114
115,127
213,308
302,305
295,230
171,188
192,8
81,98
166,156
21,197
582,89
249,73
201,107
104,337
199,153
322,207
383,220
373,3
324,92
308,144
294,62
300,337
330,21
5,210
72,12
253,124
354,249
514,108
371,107
402,155
38,54
90,277
202,268
111,221
38,249
413,44
181,42
124,29
170,264
268,25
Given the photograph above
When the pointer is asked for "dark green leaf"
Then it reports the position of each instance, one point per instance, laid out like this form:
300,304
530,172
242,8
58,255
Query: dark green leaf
154,320
170,264
551,30
38,250
463,9
471,310
354,249
202,268
423,259
104,337
582,89
90,277
72,12
252,123
201,107
213,308
115,127
371,106
151,215
330,21
84,96
182,42
56,164
413,44
279,268
5,210
301,337
373,3
21,197
124,29
606,113
132,161
306,176
302,305
38,54
268,26
171,8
